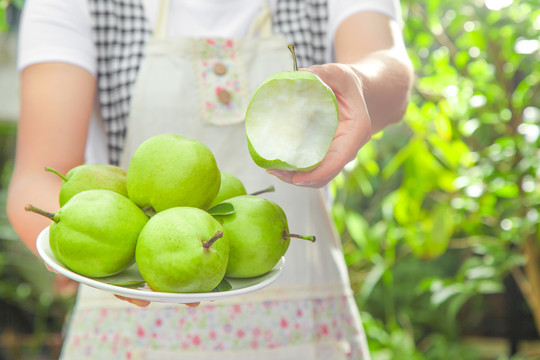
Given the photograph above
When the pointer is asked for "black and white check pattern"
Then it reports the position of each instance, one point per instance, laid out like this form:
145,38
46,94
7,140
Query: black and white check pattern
305,24
120,31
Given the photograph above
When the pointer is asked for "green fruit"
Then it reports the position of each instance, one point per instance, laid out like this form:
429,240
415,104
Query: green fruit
258,236
182,249
94,234
291,121
231,186
170,170
91,177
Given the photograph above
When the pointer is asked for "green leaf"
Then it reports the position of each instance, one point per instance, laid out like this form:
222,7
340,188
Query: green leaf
398,159
374,276
443,126
224,285
490,287
224,208
3,22
442,295
357,227
18,3
504,189
455,305
450,153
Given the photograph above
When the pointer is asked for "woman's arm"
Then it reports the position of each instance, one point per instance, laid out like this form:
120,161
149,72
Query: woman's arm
380,60
56,104
371,80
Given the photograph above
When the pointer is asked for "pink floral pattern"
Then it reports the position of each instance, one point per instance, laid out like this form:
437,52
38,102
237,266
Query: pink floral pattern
220,51
116,333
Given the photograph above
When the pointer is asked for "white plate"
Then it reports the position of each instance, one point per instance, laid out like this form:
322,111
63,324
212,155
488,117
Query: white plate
133,286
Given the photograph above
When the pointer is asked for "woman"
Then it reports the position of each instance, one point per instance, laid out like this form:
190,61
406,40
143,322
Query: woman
98,77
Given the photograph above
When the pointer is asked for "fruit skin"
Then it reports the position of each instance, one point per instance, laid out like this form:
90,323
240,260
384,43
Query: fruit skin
281,79
170,254
231,186
95,233
256,236
91,177
169,170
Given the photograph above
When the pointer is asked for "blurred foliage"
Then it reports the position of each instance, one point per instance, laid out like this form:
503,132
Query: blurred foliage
8,15
436,212
31,312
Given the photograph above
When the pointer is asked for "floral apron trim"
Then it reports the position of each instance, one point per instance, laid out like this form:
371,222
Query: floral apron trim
118,333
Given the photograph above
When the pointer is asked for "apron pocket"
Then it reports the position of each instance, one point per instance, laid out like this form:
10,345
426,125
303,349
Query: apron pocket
222,86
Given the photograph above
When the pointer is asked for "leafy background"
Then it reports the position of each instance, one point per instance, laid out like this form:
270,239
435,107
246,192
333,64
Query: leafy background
438,214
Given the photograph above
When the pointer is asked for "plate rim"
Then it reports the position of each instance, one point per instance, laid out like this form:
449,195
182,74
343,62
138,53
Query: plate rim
42,244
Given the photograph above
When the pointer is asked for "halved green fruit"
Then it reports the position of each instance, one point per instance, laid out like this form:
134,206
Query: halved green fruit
291,121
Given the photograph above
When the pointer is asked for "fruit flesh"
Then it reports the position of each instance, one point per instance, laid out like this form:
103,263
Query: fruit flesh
292,121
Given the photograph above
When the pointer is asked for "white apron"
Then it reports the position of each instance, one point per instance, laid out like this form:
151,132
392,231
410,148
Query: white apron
200,88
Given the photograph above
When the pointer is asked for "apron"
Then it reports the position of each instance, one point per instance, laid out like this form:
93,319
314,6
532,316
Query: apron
199,88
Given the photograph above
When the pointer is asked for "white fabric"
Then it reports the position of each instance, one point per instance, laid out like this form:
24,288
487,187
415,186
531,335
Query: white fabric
59,30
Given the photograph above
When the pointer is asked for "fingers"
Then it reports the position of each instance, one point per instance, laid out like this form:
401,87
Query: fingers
51,269
328,169
350,137
342,151
145,303
285,176
319,177
340,78
136,302
64,286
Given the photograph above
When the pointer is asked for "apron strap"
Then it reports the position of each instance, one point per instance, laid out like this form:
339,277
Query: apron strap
160,31
262,24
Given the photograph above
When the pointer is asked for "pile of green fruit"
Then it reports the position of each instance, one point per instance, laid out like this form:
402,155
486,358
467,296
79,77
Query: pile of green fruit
186,224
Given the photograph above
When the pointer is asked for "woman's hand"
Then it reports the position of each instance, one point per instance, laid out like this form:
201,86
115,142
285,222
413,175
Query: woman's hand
372,71
353,130
64,286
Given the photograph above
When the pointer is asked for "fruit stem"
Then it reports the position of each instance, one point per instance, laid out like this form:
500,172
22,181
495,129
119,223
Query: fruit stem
36,210
295,65
271,188
213,239
309,238
56,172
149,211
